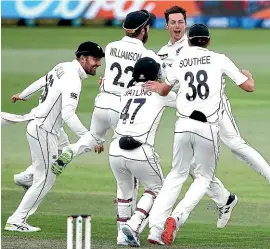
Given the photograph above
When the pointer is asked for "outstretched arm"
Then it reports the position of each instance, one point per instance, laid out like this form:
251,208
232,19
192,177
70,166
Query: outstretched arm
242,78
30,90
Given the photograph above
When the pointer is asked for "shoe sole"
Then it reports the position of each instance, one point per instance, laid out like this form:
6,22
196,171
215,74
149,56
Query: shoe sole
122,244
21,231
167,236
232,207
131,240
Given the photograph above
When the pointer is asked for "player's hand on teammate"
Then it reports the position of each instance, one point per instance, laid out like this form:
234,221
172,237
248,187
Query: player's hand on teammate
16,97
152,86
99,148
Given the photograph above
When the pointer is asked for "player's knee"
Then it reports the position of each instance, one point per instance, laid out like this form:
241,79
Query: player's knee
203,181
44,182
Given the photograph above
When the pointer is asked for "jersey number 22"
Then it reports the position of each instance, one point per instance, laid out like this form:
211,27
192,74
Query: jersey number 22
119,74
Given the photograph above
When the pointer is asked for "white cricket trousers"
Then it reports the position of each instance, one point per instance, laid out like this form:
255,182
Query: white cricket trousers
102,120
192,139
230,135
63,141
143,164
44,151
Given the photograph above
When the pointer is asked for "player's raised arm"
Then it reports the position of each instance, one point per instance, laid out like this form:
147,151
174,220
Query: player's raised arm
70,100
30,90
242,78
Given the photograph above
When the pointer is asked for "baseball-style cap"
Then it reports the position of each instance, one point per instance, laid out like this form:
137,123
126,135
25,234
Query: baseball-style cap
137,20
146,69
198,30
90,49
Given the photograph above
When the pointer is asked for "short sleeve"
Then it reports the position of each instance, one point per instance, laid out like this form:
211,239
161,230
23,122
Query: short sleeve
229,68
172,75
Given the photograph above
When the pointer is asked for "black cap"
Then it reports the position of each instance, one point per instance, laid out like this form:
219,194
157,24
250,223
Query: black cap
198,30
137,20
146,69
90,49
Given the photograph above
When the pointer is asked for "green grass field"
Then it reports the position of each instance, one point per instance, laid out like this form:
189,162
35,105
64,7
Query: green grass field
88,186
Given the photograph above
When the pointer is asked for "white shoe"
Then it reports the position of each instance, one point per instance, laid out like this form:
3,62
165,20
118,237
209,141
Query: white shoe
132,237
22,227
226,211
121,239
22,181
154,236
122,243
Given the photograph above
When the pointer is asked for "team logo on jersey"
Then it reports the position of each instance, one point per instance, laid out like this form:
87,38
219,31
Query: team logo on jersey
178,51
74,95
163,56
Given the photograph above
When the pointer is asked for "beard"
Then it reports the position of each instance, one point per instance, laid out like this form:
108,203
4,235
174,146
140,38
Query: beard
145,37
91,71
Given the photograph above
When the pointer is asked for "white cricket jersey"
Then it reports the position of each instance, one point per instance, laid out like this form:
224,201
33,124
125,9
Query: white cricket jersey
60,97
120,58
170,51
141,112
199,74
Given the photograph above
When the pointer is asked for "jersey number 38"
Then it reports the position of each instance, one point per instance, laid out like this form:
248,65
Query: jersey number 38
202,89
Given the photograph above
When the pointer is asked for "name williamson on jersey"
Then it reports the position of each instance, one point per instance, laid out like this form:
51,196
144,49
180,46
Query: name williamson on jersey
119,53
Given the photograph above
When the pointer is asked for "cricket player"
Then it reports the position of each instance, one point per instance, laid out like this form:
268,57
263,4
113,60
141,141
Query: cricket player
58,103
120,58
132,150
198,71
229,133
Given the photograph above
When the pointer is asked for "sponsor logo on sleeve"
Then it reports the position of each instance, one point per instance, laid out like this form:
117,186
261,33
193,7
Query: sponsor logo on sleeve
74,95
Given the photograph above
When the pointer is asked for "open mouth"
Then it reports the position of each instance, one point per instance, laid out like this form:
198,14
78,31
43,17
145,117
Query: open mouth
177,32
